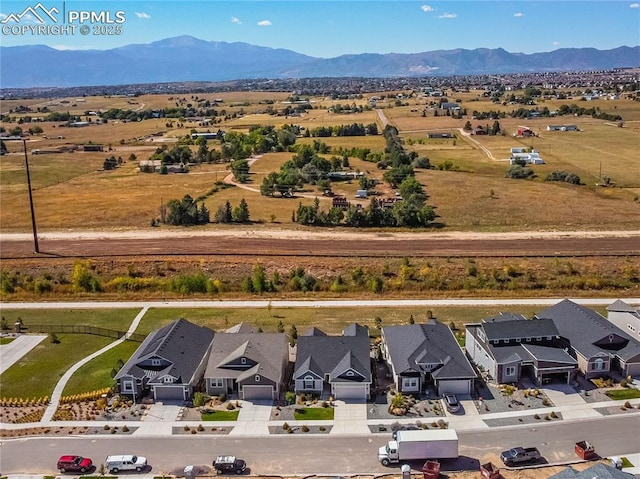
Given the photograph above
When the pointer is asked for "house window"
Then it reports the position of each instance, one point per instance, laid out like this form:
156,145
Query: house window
409,383
217,383
539,338
528,340
631,328
308,383
127,386
349,373
155,362
243,360
510,371
598,364
505,341
518,340
549,338
257,378
167,379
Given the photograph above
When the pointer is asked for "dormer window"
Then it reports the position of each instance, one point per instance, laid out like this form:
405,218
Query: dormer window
155,362
167,379
257,378
349,373
243,360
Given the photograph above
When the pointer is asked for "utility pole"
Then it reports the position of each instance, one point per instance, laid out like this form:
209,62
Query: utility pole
36,247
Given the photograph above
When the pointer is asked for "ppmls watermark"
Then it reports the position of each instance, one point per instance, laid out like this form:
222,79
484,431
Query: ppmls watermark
38,20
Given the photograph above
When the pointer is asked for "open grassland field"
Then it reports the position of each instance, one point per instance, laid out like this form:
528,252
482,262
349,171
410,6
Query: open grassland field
115,319
72,192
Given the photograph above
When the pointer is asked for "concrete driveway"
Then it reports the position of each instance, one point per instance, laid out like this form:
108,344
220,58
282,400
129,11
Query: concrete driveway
253,418
12,352
350,418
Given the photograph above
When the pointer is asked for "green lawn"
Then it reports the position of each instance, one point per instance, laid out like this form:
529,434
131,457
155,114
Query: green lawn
220,416
37,373
5,340
96,374
627,393
314,414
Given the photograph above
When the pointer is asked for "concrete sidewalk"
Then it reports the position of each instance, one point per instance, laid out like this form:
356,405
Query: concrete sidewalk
350,418
21,345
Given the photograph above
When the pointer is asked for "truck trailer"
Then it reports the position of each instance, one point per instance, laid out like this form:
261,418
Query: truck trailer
422,444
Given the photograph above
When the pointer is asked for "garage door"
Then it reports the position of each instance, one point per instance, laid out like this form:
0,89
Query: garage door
462,386
256,393
350,391
169,393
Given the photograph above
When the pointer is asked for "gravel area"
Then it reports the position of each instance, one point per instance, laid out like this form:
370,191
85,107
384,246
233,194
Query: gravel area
608,411
490,399
207,429
300,430
427,407
517,421
286,413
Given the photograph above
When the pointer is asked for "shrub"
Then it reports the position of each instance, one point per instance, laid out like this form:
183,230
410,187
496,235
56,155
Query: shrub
305,428
230,406
286,426
200,428
125,428
322,429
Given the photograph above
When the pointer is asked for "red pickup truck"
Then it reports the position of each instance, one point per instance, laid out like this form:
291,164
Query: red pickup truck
71,463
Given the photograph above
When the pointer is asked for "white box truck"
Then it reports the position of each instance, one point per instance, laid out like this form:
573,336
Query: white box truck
422,444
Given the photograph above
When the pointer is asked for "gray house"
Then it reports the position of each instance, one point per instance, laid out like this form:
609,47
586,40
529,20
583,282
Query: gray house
426,354
339,366
509,347
599,346
626,317
248,363
168,364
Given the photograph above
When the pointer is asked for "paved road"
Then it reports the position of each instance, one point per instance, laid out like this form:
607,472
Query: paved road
12,352
382,303
323,454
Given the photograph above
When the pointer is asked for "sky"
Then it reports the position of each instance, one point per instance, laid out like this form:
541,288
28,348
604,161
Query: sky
327,29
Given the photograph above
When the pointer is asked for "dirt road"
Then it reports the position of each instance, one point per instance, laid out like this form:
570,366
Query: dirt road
334,243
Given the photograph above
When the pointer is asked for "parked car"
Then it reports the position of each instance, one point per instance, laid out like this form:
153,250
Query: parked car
71,463
451,402
407,427
126,462
518,455
229,464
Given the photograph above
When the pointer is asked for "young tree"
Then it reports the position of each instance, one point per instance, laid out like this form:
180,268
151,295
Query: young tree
241,212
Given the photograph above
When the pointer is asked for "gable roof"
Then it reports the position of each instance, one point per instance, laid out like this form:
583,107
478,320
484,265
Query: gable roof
599,471
265,353
621,306
585,329
513,329
334,355
241,328
428,343
313,331
181,345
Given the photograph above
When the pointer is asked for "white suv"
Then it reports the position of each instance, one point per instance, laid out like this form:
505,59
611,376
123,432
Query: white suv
125,462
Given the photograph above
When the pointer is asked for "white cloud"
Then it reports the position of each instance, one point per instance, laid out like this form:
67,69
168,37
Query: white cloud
427,8
264,23
144,15
518,14
556,44
449,15
235,20
634,5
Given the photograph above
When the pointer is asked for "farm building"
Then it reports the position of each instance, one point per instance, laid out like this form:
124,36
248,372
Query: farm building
440,134
92,148
532,158
525,132
206,135
447,105
562,128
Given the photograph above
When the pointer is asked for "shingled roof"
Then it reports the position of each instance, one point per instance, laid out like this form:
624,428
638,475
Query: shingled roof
430,343
180,347
589,332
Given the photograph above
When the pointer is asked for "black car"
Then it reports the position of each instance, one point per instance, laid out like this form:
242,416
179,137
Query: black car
229,464
407,427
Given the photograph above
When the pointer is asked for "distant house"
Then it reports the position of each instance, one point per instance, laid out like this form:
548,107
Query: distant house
598,345
168,364
206,135
423,355
247,363
509,347
440,134
79,124
625,317
562,128
338,366
447,105
340,202
92,147
531,158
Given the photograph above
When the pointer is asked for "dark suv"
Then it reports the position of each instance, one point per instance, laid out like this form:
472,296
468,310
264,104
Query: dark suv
229,464
74,464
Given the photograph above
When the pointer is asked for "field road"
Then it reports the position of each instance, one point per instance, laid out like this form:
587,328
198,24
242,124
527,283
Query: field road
259,241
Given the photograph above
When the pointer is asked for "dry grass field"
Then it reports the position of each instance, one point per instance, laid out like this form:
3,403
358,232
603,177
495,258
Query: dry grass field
71,191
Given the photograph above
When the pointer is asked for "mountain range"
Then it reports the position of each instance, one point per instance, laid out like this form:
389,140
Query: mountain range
186,58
